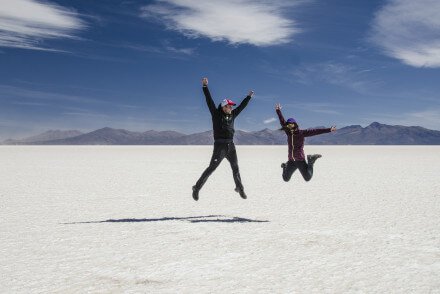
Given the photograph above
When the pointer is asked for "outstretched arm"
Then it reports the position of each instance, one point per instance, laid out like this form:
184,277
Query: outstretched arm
243,104
208,97
314,132
280,115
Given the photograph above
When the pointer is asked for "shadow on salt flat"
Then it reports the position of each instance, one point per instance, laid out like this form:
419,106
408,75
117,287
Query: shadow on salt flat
192,219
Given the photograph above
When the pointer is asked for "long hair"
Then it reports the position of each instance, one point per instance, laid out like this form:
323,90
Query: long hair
285,128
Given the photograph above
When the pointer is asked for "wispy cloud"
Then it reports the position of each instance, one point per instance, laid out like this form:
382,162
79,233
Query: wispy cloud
326,111
331,72
10,92
25,23
259,22
31,104
335,73
327,108
428,118
166,49
409,31
270,120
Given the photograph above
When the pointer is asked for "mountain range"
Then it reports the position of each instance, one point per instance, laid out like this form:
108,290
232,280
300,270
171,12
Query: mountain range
374,134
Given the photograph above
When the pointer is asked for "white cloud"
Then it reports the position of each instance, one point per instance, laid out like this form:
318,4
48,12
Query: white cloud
270,120
409,30
259,22
25,23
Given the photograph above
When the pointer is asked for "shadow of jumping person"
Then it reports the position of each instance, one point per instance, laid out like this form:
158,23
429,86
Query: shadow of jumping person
191,219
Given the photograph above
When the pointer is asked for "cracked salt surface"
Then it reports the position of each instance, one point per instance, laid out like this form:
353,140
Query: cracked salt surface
110,219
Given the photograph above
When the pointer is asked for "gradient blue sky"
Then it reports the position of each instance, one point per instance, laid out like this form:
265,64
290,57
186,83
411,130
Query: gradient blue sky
138,65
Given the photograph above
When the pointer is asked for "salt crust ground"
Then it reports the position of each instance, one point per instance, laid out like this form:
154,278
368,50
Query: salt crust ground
121,220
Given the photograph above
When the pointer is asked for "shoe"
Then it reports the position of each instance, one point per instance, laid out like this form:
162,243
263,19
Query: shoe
312,158
283,165
241,192
195,193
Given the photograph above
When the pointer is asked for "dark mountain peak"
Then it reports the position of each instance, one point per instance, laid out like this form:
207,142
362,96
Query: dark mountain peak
263,131
108,130
376,125
103,130
352,128
170,133
157,134
50,132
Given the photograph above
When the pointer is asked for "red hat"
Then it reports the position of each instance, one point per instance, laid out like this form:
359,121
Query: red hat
227,102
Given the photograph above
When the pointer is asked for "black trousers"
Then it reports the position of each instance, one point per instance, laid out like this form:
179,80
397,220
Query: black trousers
305,169
222,150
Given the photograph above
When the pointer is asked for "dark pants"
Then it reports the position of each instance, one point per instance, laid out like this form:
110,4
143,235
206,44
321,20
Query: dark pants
305,169
222,150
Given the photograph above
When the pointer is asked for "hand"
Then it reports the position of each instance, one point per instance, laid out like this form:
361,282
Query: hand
205,82
333,128
251,93
278,106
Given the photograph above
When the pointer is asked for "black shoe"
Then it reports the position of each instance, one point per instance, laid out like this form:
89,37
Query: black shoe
241,192
195,193
283,165
312,158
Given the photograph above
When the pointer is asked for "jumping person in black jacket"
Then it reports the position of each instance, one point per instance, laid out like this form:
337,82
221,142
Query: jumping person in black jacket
223,124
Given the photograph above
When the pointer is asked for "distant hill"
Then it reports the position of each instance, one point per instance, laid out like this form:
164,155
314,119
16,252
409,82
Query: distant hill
379,134
109,136
263,137
374,134
46,136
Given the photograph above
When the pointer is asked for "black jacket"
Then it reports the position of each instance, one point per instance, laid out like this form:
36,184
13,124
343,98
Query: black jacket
223,124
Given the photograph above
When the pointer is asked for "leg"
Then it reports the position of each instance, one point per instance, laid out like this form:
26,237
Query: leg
288,170
306,170
311,158
218,154
232,158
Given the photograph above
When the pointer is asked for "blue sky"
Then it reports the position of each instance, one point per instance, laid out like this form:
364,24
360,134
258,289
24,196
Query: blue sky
138,65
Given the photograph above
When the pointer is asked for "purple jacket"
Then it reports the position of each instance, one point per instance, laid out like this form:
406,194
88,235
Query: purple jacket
295,139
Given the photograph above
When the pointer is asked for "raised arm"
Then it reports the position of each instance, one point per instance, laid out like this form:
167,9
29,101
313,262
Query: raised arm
208,97
280,115
243,104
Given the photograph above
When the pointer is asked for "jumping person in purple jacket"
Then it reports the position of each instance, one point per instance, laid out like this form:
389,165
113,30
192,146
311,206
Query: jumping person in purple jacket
223,126
295,141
